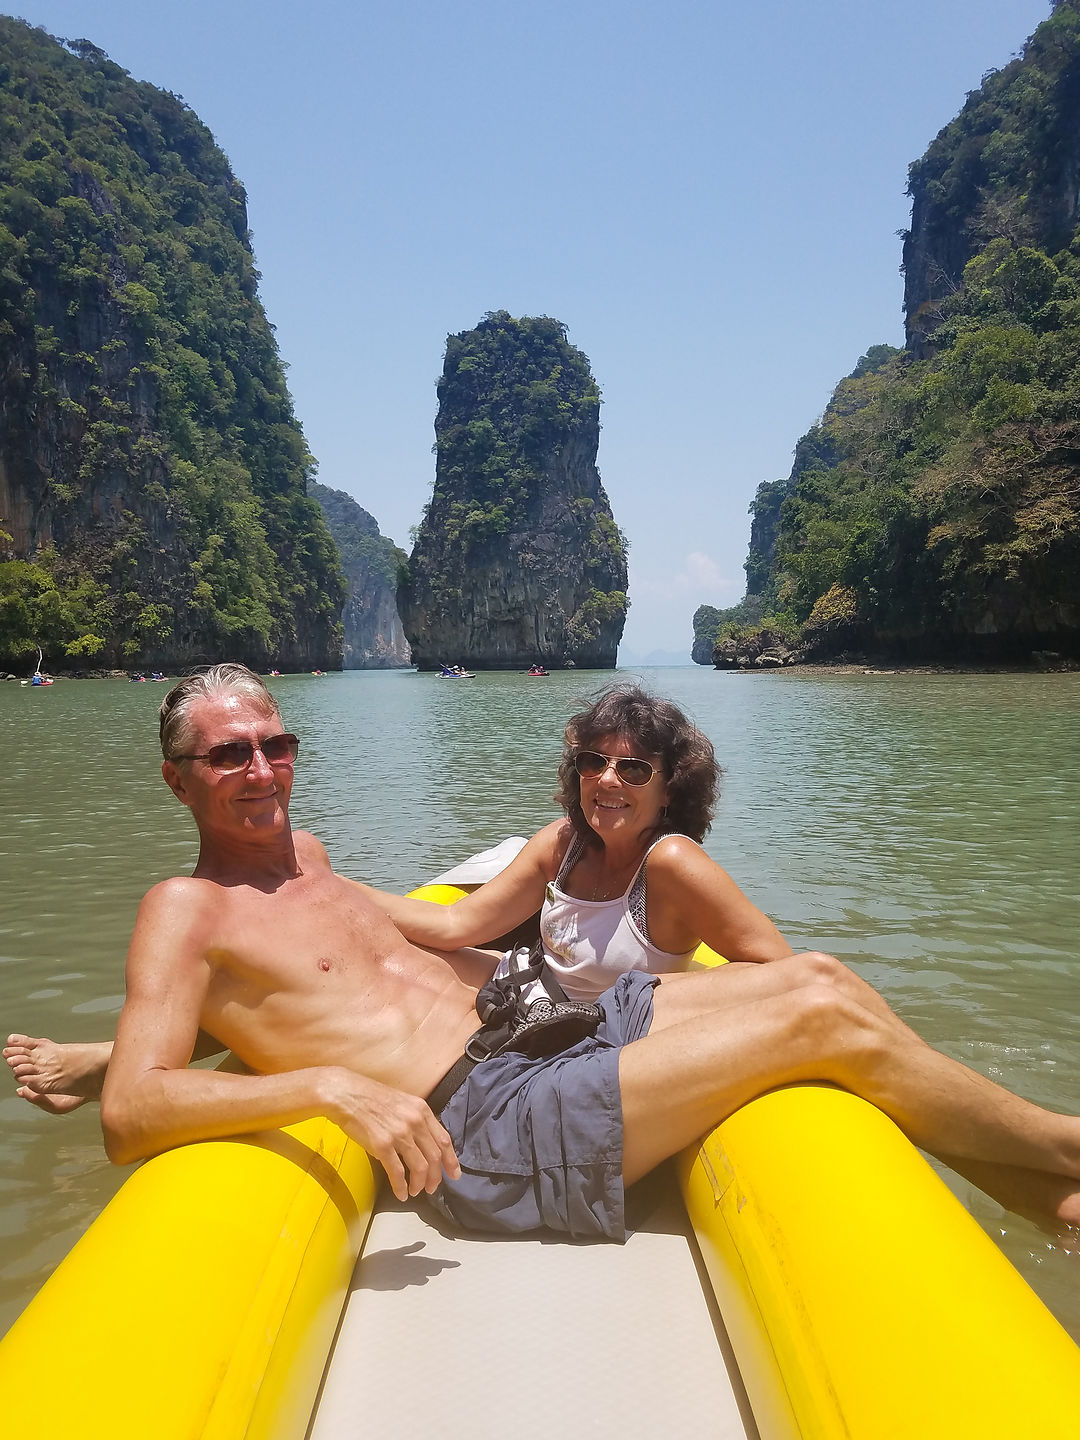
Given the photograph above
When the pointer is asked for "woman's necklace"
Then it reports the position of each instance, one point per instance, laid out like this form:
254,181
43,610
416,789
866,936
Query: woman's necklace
603,887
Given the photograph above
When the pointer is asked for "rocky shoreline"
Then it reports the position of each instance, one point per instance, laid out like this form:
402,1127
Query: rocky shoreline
851,666
764,650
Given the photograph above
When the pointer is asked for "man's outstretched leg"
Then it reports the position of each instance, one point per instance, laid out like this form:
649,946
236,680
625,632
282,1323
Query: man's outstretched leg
693,1070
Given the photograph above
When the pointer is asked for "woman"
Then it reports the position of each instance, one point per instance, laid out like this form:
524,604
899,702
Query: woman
621,882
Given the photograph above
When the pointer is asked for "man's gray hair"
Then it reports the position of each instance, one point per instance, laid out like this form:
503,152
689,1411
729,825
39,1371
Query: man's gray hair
227,679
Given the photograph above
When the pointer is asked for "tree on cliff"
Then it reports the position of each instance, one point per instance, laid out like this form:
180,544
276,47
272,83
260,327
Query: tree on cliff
152,474
518,557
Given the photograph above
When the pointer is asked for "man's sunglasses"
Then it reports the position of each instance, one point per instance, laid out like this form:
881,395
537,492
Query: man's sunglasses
590,765
238,754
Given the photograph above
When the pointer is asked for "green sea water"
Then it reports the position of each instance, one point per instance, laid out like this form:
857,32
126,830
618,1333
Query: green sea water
922,827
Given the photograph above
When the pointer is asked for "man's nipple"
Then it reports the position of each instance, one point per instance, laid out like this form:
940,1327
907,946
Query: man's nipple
324,965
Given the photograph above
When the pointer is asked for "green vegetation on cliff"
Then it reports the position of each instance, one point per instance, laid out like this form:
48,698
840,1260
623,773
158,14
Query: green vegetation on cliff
706,624
935,508
152,474
937,504
1005,168
357,536
509,390
373,637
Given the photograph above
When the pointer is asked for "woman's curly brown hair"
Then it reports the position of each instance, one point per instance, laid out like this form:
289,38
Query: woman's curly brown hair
654,727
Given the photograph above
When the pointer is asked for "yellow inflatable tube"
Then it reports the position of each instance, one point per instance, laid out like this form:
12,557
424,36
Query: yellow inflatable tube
203,1300
862,1300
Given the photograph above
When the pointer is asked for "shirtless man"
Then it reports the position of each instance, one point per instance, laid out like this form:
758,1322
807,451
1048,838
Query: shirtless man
308,982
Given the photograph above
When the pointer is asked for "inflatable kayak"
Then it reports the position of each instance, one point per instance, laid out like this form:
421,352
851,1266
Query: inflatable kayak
802,1273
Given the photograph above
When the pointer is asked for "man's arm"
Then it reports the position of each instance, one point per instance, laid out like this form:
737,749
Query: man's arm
151,1102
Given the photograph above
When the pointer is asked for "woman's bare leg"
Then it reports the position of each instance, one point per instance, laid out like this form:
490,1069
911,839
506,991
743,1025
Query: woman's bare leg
690,1072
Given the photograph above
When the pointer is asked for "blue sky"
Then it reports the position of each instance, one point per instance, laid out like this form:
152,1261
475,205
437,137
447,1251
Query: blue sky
707,195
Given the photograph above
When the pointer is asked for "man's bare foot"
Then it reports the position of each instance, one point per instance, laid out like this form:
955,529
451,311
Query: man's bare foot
57,1078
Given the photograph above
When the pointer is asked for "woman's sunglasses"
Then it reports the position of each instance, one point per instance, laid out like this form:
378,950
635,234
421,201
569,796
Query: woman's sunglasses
590,765
238,754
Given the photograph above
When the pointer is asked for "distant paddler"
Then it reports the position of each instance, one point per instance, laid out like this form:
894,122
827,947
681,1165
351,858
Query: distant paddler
39,677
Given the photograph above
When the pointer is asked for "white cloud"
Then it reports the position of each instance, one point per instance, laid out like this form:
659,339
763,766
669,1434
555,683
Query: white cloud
699,576
702,570
662,603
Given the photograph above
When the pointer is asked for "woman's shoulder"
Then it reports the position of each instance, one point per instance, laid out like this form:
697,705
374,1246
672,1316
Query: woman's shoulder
677,857
673,848
554,840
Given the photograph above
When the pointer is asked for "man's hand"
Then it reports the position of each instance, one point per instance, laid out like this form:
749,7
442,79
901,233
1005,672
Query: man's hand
398,1129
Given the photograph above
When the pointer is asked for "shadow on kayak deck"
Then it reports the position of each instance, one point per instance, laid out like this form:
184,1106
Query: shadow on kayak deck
453,1334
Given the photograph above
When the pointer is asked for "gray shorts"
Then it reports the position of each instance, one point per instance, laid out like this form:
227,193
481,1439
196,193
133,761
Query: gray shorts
540,1141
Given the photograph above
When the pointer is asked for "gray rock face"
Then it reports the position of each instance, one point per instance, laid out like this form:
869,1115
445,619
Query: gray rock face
761,651
374,639
518,558
1007,166
706,619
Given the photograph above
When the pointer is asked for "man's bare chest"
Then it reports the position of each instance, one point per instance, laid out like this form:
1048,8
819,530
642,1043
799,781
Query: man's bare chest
297,940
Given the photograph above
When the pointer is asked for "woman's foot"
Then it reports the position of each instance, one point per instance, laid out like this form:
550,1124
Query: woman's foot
56,1078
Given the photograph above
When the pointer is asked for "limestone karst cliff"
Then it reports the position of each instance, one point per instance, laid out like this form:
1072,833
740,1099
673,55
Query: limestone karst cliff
1008,167
706,621
934,511
153,505
374,639
518,557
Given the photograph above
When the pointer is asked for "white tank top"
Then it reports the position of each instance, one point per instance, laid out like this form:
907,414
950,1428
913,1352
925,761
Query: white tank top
590,943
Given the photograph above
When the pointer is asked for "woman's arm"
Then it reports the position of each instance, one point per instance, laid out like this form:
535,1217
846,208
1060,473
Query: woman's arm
494,909
691,899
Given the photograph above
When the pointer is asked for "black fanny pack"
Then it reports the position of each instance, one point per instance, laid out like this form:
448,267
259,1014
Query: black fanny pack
544,1024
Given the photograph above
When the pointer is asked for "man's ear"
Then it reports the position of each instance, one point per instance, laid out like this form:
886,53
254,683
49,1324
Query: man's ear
174,778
